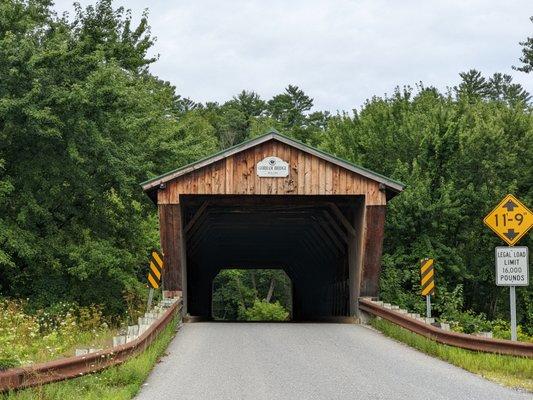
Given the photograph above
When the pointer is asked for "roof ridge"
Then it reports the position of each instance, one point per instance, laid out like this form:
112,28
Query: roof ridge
271,133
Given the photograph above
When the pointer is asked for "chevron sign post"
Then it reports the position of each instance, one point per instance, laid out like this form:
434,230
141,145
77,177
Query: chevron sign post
427,281
511,220
154,274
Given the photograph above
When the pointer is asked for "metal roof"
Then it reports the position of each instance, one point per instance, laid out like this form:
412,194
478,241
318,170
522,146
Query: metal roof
152,183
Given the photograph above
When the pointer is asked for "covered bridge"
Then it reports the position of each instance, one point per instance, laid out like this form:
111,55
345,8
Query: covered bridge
273,202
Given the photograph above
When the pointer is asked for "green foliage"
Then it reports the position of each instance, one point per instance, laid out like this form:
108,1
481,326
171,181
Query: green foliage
6,363
507,370
254,294
459,154
527,55
262,310
122,382
82,122
502,330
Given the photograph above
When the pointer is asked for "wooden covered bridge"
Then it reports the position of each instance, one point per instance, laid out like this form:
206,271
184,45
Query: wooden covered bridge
272,202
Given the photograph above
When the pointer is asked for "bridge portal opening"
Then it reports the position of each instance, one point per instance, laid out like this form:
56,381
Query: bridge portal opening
252,295
313,238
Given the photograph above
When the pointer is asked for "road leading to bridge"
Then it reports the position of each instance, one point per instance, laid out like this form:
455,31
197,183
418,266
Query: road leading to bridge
211,361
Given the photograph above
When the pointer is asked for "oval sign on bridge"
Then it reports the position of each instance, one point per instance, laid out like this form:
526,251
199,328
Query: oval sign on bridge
272,167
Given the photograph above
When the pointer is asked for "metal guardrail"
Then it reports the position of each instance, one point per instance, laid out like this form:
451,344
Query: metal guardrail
73,367
470,342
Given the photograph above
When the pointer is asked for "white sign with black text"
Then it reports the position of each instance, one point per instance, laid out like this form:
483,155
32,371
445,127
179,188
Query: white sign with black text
272,167
512,266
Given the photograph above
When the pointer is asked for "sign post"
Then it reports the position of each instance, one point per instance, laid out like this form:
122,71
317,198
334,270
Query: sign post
512,269
512,301
154,274
427,281
511,220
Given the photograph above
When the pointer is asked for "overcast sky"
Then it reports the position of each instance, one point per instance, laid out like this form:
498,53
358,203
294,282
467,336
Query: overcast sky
340,52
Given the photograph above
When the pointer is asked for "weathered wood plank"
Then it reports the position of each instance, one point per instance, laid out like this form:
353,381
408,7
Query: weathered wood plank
349,182
314,175
307,174
258,156
329,180
342,181
301,172
293,171
336,180
374,230
170,238
321,177
163,195
229,175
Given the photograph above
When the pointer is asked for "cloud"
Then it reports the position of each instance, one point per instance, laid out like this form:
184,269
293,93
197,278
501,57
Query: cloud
339,52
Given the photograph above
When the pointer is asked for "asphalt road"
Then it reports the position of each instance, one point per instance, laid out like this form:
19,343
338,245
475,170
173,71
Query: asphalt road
306,361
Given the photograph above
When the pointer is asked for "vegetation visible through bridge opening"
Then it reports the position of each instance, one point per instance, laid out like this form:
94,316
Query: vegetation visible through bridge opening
252,295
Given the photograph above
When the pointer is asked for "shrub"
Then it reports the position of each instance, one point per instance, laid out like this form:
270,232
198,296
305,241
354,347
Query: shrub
6,363
261,310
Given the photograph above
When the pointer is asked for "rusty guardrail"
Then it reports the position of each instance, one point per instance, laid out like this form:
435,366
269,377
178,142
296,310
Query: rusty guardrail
72,367
470,342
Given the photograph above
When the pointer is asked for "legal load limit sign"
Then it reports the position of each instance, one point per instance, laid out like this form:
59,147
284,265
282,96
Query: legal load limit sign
510,219
512,266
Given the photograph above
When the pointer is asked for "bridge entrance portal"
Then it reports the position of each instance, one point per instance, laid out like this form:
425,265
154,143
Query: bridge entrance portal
268,202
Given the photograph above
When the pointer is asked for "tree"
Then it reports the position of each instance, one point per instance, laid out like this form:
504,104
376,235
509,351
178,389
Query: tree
527,55
502,88
82,122
473,85
290,110
236,292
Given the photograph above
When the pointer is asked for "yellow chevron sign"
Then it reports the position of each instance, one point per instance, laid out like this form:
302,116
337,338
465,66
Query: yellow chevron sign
427,274
156,269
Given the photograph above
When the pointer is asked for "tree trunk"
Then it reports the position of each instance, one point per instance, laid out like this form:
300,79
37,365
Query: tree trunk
270,290
254,284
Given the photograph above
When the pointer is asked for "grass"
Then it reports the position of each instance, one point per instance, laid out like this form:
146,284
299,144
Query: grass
515,372
117,383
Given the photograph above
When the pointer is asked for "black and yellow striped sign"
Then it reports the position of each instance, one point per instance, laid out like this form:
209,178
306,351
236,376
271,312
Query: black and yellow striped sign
156,269
427,276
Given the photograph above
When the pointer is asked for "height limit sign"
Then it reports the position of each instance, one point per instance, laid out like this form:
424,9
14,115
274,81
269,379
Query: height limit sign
512,266
511,220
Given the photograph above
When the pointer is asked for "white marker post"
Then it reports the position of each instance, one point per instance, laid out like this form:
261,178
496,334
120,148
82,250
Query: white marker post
512,269
428,306
150,298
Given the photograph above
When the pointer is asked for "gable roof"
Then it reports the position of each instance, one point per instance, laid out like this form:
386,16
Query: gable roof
390,184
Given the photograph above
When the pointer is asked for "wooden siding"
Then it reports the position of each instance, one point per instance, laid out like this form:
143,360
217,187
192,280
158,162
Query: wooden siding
308,175
170,233
373,244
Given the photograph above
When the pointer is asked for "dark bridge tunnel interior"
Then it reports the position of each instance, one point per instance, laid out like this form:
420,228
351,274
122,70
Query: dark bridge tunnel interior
312,239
